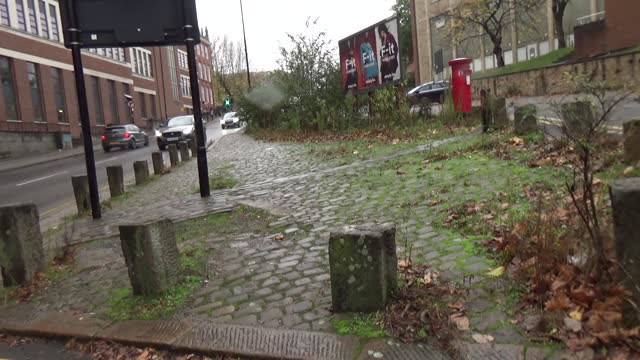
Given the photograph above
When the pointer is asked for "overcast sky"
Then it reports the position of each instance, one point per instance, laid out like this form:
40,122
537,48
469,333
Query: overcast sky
268,21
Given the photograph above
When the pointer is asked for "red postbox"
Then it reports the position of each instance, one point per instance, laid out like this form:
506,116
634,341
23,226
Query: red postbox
461,83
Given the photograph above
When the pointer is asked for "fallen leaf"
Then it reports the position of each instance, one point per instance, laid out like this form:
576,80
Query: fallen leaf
461,321
628,171
516,141
280,237
456,306
504,206
401,172
560,302
438,168
499,271
355,152
482,339
404,264
584,294
576,315
395,141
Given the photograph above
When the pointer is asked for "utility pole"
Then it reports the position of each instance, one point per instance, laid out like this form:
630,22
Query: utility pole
246,51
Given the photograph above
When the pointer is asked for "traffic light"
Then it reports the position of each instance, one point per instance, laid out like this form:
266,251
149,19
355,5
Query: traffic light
227,102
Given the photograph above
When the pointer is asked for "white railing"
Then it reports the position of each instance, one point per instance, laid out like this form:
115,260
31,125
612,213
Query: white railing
590,18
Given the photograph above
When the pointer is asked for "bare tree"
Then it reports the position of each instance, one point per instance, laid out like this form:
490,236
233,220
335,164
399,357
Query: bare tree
584,119
558,7
229,65
492,16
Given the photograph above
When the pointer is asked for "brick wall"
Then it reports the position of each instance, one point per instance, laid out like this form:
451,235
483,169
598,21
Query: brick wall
618,71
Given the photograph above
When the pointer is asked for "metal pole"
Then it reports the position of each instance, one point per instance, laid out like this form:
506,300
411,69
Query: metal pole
86,130
203,167
246,51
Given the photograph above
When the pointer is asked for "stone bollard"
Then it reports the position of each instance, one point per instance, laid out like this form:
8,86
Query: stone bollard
576,117
184,150
152,257
499,111
141,171
363,267
625,200
193,144
115,177
632,142
21,250
158,163
173,155
525,119
81,192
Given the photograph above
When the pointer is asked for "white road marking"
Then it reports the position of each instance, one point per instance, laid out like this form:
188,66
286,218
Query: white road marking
42,178
106,160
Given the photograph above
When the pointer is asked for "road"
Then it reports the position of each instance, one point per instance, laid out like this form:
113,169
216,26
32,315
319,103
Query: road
38,350
48,185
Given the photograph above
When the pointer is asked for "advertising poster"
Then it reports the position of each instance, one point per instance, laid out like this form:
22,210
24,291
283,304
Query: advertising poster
371,57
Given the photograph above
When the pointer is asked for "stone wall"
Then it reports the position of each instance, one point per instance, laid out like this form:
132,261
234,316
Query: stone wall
17,144
617,70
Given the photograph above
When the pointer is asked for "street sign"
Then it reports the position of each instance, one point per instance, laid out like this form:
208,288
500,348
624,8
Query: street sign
124,23
127,23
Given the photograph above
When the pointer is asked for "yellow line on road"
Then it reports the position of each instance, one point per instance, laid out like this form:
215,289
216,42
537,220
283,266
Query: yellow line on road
64,205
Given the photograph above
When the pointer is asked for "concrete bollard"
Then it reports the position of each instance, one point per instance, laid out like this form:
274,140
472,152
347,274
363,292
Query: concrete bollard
184,151
141,171
81,192
193,144
158,163
363,266
151,254
576,117
625,200
499,111
115,177
173,155
525,120
21,250
632,142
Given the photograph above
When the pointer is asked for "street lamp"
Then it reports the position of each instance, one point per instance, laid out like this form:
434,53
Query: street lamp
246,51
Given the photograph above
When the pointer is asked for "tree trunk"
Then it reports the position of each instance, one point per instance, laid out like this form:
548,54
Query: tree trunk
497,51
558,8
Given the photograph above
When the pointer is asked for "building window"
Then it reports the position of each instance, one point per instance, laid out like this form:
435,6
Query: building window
33,24
4,12
182,60
8,90
141,62
53,15
22,23
173,74
44,22
143,106
113,102
186,86
36,97
154,112
97,98
58,88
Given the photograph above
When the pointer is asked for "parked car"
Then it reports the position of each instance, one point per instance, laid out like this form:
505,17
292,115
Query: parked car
123,136
179,128
230,120
429,92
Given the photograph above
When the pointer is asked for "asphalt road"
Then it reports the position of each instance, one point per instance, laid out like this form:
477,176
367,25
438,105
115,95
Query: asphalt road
38,351
48,185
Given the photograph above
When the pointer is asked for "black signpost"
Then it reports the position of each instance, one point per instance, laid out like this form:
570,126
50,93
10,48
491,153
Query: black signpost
128,23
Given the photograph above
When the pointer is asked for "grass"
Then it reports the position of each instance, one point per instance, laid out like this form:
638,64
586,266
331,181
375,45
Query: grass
537,63
123,305
219,181
360,325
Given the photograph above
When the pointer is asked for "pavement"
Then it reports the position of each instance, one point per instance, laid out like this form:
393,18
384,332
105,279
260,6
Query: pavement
46,180
271,298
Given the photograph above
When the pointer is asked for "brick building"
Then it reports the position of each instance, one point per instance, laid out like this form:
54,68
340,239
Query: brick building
38,106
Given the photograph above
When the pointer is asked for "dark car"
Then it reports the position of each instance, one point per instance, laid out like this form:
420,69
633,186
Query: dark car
179,128
431,92
123,136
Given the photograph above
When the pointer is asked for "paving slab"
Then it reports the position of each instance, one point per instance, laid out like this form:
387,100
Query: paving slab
388,349
267,343
145,333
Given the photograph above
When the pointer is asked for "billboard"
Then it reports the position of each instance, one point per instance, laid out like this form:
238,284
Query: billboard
371,57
